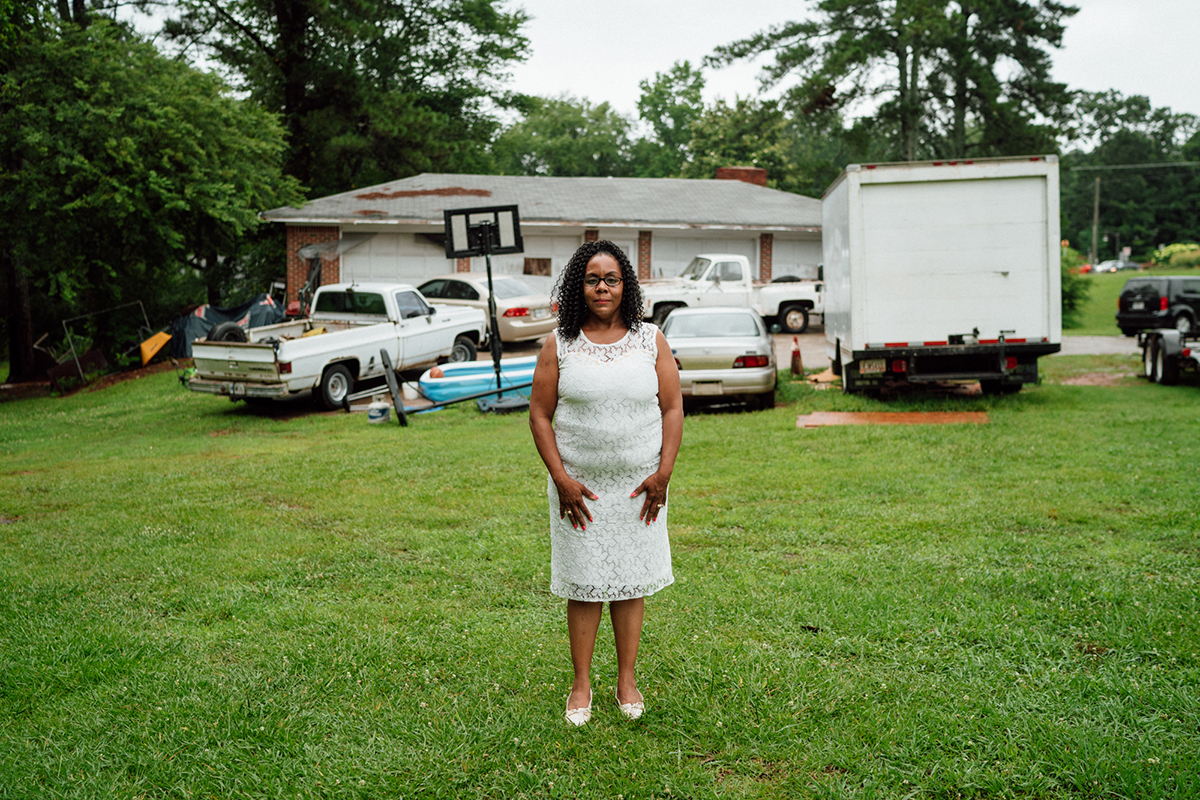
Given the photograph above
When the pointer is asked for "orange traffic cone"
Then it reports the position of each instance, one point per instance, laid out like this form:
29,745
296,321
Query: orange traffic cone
797,364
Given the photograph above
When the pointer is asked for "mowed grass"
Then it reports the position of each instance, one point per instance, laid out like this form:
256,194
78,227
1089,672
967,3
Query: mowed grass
198,599
1099,314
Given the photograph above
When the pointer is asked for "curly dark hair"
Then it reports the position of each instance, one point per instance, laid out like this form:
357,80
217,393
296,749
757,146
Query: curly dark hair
568,290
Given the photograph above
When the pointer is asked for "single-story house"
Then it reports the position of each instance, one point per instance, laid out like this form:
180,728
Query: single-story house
395,231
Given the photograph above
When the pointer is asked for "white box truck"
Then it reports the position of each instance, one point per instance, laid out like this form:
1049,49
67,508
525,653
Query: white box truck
942,270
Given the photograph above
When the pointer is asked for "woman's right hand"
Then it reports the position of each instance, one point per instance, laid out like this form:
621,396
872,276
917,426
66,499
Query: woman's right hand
570,501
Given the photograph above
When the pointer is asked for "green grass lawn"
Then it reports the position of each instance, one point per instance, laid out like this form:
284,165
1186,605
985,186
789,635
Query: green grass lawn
1099,315
198,599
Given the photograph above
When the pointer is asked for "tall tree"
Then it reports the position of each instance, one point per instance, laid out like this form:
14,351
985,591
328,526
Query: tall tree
919,62
562,136
120,167
368,91
670,105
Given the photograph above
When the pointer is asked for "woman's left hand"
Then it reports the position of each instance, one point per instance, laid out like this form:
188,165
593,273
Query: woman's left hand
655,488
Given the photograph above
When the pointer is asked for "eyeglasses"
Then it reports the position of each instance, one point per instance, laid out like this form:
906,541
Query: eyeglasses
591,281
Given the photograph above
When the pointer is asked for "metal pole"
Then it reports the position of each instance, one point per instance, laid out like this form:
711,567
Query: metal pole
1096,224
497,346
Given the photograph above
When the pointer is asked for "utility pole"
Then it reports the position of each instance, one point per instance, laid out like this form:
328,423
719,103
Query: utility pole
1096,223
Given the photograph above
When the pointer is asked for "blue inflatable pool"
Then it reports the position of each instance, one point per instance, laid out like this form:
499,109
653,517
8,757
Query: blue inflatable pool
473,377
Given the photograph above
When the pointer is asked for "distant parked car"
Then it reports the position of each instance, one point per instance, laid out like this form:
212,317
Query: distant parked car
1163,301
522,312
723,353
1116,265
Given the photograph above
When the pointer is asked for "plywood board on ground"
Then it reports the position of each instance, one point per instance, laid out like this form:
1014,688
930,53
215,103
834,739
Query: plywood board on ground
821,419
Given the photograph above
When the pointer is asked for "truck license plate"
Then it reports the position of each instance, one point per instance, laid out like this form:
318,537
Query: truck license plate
873,365
1137,305
706,387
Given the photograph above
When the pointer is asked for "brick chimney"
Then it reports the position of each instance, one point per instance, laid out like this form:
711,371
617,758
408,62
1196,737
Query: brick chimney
755,175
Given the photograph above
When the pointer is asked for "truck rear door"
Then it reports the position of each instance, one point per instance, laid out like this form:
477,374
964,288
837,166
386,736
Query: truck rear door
235,361
946,257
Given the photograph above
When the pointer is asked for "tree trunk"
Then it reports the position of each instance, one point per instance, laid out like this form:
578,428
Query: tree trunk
958,138
913,110
19,320
903,99
212,278
292,19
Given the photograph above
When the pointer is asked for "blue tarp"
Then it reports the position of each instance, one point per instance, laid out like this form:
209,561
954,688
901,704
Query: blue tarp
262,310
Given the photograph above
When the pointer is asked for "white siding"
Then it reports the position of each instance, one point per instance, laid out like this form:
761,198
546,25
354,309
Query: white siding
795,257
670,255
405,257
410,257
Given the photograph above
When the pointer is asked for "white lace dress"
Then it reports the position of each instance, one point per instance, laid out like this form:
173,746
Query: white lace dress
608,428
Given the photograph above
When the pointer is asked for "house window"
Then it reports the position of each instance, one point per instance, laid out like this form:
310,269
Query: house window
537,266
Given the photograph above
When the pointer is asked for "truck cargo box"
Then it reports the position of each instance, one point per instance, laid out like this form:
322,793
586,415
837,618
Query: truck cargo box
943,270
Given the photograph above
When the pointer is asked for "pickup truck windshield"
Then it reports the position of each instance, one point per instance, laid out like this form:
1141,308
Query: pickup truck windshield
410,305
695,269
351,303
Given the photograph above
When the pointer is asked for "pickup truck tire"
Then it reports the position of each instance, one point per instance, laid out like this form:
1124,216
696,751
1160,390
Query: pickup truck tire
336,383
1129,331
1166,368
793,319
1184,323
663,310
463,350
227,332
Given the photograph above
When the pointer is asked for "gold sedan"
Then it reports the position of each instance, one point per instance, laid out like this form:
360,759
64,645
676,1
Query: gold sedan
522,312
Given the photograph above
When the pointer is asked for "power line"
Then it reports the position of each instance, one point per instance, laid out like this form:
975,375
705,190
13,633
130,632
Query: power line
1161,165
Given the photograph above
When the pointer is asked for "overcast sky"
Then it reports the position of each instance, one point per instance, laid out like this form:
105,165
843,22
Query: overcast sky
602,50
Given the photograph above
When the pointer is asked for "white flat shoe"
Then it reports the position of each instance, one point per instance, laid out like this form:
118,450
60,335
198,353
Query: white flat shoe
630,710
579,716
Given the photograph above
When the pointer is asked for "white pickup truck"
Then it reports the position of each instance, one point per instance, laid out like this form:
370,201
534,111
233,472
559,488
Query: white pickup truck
721,279
337,344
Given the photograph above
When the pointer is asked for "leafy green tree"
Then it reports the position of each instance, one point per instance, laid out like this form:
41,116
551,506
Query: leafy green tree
922,62
1144,200
562,136
368,91
670,105
125,175
748,133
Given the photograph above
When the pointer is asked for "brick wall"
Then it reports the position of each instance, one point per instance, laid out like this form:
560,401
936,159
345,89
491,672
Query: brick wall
766,245
297,268
462,265
591,235
643,255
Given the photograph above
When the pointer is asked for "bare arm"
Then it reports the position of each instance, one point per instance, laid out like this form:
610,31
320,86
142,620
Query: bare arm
543,401
670,402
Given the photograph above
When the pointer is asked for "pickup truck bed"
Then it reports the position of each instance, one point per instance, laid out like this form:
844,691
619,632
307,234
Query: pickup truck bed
338,345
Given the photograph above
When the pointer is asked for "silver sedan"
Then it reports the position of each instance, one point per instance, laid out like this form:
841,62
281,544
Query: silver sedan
723,354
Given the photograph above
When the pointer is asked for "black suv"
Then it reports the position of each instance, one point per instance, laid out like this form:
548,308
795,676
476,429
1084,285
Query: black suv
1167,301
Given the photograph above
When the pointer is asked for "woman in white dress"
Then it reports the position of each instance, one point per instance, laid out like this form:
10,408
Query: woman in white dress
608,383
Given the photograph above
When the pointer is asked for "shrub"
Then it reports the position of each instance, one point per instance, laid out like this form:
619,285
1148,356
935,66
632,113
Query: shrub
1186,258
1166,256
1075,287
